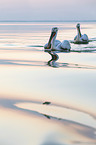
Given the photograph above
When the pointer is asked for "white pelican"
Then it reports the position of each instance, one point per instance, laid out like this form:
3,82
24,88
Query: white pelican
56,44
79,38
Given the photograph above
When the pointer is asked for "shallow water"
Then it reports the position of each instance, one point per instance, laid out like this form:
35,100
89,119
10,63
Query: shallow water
29,77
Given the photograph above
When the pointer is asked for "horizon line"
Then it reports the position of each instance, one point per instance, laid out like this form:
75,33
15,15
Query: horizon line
48,21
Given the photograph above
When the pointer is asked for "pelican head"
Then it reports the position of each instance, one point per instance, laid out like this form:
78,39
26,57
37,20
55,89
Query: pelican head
78,30
54,29
78,26
54,32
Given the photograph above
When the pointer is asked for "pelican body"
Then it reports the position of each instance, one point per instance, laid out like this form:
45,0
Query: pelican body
79,38
54,44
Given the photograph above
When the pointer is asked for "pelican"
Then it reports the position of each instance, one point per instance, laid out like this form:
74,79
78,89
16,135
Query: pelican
79,38
54,44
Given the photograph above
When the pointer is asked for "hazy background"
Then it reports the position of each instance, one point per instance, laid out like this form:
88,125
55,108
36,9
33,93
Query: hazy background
47,10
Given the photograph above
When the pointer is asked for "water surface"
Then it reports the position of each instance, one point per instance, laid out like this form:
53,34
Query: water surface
29,77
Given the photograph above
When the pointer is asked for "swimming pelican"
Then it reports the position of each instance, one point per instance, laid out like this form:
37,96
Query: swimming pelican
56,44
79,38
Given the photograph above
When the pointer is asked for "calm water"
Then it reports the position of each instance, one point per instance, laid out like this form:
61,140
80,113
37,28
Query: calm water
29,77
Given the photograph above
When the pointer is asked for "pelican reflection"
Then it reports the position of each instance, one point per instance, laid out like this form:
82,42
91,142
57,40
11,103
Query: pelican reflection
54,58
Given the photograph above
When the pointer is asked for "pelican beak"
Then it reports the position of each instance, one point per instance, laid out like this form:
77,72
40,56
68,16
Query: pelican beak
52,35
78,27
